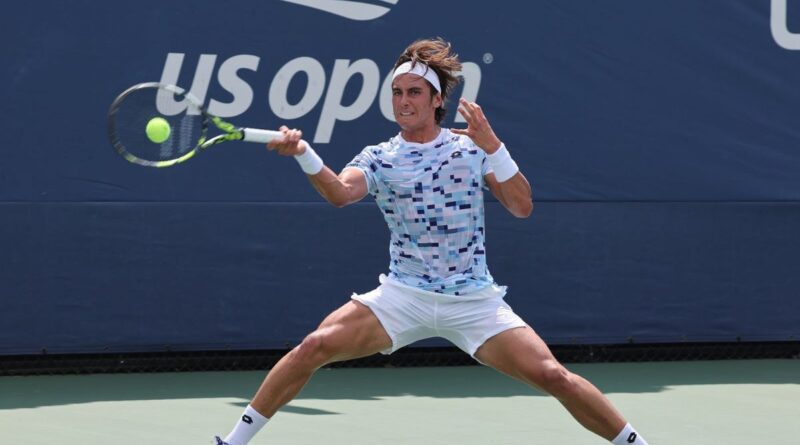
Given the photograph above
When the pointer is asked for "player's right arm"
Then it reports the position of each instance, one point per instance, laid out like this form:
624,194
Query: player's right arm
340,190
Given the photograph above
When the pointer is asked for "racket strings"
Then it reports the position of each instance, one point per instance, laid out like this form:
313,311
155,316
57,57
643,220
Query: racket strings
137,109
168,147
187,133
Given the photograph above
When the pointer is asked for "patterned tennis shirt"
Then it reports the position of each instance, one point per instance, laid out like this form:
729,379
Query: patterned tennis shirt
431,196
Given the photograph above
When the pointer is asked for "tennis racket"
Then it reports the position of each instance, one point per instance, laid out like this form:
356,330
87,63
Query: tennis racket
158,125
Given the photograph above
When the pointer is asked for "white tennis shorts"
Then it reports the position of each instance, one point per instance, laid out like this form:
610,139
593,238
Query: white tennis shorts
409,314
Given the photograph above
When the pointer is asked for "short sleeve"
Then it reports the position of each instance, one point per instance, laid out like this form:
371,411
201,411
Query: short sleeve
367,161
485,168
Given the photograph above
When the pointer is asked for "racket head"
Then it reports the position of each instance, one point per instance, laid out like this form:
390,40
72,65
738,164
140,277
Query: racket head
131,111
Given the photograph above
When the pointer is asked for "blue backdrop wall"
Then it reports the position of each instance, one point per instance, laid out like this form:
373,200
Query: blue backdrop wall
661,139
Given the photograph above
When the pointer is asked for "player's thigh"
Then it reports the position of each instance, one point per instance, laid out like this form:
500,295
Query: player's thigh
352,331
519,353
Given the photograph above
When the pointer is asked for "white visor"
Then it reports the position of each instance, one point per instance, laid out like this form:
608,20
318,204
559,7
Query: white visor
421,70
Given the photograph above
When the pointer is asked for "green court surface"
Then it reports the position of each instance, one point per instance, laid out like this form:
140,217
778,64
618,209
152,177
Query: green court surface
686,403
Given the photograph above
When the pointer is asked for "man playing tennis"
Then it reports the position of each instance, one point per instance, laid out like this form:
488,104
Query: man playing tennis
428,182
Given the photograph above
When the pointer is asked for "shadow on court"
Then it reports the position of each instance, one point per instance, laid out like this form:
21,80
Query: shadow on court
377,383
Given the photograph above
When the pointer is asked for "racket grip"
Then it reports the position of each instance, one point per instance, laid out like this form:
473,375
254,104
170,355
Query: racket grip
260,136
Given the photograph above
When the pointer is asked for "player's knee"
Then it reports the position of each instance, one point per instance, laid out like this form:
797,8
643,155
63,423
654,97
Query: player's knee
556,380
312,350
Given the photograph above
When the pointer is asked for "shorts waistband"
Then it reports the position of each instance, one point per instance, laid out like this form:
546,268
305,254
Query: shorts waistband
490,291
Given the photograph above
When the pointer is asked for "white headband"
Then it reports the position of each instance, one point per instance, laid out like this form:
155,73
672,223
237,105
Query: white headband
421,70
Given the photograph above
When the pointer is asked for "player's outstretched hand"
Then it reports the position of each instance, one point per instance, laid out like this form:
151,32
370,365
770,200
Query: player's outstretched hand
292,143
478,128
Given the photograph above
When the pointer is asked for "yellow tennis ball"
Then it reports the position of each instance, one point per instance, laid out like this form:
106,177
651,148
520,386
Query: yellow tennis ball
157,130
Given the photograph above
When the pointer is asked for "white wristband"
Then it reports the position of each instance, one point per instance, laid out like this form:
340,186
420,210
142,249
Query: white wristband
501,163
309,161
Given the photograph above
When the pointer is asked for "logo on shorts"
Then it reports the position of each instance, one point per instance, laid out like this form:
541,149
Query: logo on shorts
353,10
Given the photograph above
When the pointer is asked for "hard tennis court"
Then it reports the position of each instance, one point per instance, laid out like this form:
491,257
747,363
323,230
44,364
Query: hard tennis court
728,402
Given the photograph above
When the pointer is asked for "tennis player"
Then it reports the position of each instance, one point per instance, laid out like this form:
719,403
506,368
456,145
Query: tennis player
428,181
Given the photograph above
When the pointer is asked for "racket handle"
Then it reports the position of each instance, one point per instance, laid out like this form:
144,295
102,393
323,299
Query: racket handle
260,136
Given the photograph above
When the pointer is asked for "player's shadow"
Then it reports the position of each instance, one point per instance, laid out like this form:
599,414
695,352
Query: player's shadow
378,383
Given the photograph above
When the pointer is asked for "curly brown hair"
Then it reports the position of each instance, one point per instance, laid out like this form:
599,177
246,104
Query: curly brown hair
439,56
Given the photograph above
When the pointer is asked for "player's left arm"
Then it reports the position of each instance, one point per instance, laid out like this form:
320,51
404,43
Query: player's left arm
515,194
512,189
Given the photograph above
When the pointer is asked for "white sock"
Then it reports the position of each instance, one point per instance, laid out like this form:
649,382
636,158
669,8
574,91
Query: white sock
248,425
628,436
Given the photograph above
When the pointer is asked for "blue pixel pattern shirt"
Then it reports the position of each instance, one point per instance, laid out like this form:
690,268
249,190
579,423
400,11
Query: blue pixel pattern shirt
431,196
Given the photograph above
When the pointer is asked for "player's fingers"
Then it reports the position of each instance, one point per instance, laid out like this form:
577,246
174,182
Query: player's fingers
477,111
296,135
482,117
277,146
479,121
290,136
275,143
287,148
464,112
467,104
462,131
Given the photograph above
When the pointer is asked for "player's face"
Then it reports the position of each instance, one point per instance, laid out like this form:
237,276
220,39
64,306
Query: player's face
414,108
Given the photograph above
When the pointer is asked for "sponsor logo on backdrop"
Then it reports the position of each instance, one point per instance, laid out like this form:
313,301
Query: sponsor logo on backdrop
779,27
353,10
324,88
